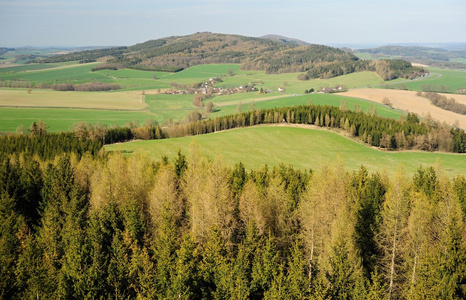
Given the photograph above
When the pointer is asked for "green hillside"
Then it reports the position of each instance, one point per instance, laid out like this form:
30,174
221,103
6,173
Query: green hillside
300,147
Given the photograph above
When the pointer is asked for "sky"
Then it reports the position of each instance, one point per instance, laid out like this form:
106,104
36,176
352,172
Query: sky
73,23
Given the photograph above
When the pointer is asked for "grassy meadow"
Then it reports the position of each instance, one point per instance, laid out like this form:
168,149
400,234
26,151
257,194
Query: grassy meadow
302,148
60,119
454,79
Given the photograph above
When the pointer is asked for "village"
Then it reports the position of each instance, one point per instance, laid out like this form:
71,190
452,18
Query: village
209,89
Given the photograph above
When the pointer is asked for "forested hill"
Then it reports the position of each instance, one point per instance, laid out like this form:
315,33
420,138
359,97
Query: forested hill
272,56
437,57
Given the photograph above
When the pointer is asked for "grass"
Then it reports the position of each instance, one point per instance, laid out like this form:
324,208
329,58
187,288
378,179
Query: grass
454,79
163,107
160,107
231,107
58,119
300,147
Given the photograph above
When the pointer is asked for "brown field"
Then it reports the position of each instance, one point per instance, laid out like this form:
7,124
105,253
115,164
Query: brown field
408,101
49,98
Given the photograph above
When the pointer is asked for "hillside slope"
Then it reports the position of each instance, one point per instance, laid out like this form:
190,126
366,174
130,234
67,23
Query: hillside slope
272,56
298,146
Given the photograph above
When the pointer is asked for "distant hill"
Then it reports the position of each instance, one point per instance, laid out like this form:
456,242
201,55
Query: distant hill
425,55
273,54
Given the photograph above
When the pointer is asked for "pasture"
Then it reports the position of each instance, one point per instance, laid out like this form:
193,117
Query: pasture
60,119
453,79
302,148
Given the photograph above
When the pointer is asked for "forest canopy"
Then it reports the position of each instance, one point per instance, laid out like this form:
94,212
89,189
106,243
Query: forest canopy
119,227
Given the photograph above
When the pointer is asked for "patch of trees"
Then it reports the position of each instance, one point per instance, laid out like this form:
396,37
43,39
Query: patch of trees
439,88
4,50
156,68
85,56
397,68
17,83
386,69
116,227
444,103
86,87
104,66
48,145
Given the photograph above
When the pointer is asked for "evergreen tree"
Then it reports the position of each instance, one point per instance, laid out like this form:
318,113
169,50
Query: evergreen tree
265,268
11,227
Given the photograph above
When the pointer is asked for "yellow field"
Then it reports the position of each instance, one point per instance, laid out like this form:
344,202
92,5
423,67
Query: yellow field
49,98
408,101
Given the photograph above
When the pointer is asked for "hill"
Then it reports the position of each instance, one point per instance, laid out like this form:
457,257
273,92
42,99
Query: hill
437,57
302,148
273,55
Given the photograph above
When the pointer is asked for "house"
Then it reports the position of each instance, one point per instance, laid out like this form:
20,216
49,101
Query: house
281,89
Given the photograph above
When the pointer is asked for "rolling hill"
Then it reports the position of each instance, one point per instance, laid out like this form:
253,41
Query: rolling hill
272,54
300,147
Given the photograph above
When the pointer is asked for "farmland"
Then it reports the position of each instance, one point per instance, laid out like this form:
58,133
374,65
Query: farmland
18,104
143,93
408,101
302,148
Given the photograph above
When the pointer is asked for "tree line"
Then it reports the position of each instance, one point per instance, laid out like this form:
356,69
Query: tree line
192,228
86,87
407,133
386,69
443,102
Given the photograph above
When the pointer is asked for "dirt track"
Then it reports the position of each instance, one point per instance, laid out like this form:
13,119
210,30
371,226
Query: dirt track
408,101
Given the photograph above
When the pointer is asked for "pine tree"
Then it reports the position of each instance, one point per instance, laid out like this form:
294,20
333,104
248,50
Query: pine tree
297,279
186,283
265,268
11,226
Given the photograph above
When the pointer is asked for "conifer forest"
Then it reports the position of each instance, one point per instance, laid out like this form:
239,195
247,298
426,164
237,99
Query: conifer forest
93,225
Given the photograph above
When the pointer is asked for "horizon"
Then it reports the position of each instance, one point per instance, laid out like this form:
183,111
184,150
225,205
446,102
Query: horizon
104,23
363,45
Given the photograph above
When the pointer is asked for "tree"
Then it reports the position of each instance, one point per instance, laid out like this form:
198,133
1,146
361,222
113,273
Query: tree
343,105
209,107
324,200
11,228
369,194
265,268
239,108
386,101
393,232
193,116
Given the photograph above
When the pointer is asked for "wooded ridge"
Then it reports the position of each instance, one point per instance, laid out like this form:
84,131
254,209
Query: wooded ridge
270,55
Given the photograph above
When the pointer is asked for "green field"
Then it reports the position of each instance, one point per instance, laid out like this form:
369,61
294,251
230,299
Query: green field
228,108
162,107
454,79
300,147
166,106
62,119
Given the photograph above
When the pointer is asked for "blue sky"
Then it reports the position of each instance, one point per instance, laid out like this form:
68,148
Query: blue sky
118,22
